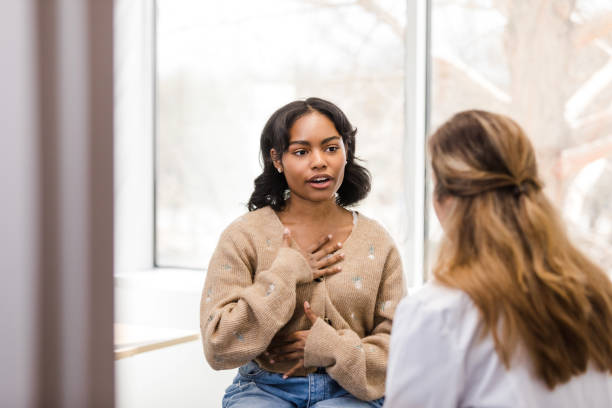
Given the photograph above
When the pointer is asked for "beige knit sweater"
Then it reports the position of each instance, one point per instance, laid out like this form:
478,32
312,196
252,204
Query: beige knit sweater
255,290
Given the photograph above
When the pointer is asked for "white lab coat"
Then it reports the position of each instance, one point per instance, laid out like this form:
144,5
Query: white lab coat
437,360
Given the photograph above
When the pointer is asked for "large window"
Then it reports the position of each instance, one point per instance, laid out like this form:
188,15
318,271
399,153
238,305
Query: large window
547,64
224,67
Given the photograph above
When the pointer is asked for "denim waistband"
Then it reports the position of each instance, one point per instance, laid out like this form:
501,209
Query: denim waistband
252,370
252,380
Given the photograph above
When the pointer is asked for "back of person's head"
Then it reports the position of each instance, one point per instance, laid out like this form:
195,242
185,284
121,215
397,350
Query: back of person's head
507,249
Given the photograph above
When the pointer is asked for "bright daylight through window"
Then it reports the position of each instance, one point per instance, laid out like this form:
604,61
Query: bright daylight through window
549,66
224,67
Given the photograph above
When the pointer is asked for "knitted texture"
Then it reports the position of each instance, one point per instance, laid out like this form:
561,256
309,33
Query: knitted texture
255,290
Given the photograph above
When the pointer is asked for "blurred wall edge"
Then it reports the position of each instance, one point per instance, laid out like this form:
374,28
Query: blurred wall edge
56,203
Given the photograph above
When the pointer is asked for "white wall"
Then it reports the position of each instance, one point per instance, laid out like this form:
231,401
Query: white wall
176,376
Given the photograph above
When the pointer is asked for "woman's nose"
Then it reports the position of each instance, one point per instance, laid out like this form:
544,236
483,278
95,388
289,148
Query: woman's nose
317,160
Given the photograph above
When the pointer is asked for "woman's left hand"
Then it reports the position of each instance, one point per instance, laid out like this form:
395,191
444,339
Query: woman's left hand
292,346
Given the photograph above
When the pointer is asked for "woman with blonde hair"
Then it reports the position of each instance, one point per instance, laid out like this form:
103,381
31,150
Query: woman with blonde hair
515,315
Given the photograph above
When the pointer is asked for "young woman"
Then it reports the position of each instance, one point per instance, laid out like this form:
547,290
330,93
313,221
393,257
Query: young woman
515,316
300,292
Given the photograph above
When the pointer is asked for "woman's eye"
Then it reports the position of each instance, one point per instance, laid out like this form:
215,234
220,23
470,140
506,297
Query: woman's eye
332,148
299,152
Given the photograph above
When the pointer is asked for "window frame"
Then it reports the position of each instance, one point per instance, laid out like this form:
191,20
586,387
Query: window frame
135,136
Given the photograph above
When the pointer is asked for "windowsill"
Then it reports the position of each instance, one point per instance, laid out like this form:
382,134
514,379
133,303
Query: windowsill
163,279
131,340
158,308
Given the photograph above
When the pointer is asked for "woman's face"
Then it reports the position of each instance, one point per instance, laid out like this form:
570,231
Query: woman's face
314,161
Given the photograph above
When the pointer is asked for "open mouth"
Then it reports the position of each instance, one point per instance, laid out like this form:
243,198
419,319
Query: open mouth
320,181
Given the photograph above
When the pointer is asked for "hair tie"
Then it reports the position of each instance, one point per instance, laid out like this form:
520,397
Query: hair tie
519,189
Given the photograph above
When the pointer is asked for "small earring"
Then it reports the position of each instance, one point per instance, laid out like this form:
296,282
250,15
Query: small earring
286,194
280,170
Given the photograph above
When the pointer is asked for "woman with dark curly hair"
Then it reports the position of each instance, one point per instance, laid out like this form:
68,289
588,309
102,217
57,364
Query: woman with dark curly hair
300,291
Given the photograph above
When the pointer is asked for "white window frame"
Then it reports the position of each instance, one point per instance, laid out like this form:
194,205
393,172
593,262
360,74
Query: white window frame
416,120
134,130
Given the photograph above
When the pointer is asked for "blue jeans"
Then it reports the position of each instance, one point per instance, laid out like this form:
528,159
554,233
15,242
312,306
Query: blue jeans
255,387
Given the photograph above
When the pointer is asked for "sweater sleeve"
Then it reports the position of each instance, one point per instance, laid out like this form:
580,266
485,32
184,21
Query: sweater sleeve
241,311
359,364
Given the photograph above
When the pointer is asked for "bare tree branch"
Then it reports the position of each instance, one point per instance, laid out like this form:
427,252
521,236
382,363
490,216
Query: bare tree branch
572,160
384,16
578,19
584,95
476,77
596,120
370,6
592,30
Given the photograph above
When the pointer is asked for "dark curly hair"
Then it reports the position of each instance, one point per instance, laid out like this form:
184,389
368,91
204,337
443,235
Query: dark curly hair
270,184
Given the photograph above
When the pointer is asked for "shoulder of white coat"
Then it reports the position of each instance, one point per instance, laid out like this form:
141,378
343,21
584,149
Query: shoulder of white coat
452,307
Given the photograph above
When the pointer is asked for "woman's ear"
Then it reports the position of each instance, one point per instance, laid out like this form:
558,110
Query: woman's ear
276,160
443,207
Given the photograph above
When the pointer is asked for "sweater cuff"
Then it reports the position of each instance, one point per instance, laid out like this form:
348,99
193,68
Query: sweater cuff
319,349
293,260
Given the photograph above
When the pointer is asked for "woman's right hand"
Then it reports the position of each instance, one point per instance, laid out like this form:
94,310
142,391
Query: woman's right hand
321,257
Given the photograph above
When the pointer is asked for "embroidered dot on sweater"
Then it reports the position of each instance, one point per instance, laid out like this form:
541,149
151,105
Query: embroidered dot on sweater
239,336
270,289
385,305
357,282
208,295
371,255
